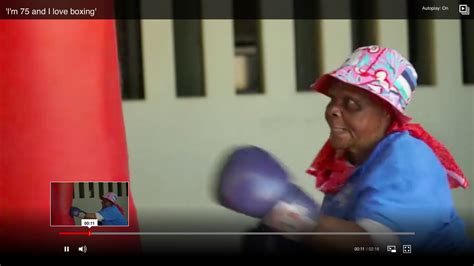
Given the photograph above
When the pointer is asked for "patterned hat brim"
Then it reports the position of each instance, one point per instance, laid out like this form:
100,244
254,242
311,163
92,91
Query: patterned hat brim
323,83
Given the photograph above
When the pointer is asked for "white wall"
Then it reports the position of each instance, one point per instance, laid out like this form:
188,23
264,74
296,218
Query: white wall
175,144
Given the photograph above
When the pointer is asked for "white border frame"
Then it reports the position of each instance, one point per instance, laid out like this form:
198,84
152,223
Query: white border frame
80,226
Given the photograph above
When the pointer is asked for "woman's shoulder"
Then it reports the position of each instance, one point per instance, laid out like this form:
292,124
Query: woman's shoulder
406,157
403,146
111,209
401,139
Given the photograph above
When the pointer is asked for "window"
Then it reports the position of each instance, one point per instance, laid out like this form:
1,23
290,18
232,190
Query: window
129,50
467,35
307,44
188,50
364,31
248,78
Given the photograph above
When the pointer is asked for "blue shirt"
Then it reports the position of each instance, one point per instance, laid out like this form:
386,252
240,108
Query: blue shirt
112,216
403,186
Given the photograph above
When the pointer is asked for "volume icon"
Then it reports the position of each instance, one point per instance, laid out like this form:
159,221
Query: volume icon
83,249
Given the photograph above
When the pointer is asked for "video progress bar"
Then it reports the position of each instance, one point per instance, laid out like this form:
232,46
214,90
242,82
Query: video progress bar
250,233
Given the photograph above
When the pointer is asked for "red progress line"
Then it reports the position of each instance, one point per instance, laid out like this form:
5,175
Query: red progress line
88,233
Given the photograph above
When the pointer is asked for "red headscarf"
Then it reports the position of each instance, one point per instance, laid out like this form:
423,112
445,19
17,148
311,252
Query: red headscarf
332,170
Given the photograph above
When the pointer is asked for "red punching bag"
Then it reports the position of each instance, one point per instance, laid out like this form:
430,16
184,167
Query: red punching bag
60,120
61,201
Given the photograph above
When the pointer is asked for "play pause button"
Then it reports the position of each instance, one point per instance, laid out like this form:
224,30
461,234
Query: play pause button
66,248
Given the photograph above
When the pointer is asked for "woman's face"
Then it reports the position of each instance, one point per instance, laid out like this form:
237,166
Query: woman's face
106,203
356,121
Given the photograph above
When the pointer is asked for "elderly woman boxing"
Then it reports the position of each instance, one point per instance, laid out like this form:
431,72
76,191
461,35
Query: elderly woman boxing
386,181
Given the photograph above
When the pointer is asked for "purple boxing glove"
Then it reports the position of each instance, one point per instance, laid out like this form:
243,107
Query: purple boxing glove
252,182
76,212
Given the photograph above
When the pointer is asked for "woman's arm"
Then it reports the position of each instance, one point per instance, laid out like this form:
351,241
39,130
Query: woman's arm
90,216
